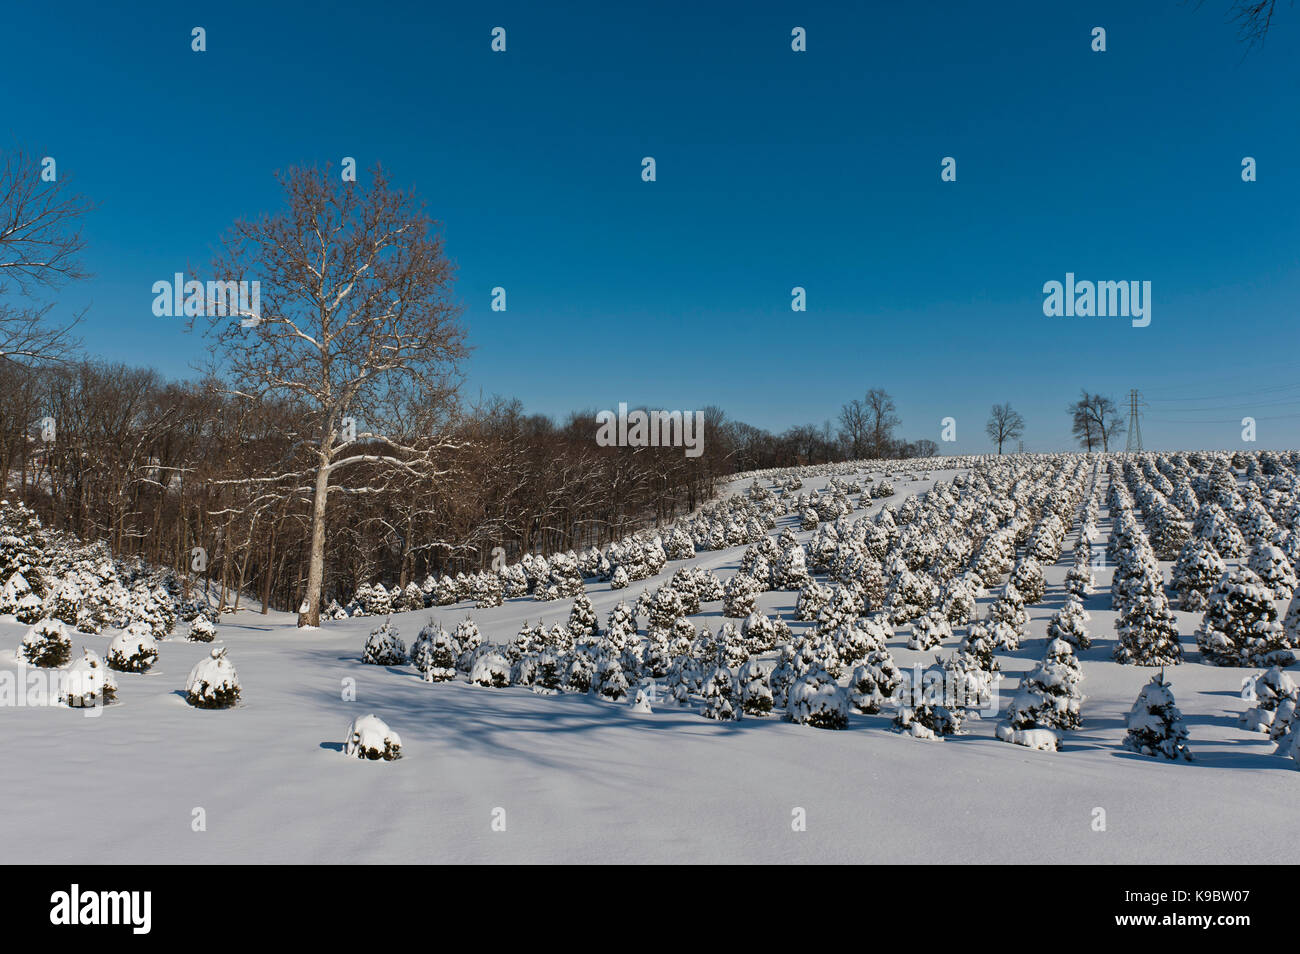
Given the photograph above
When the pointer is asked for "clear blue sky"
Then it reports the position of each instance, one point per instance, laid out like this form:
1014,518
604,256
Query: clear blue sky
775,169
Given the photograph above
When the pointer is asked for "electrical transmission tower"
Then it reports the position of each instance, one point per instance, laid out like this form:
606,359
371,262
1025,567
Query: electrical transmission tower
1134,424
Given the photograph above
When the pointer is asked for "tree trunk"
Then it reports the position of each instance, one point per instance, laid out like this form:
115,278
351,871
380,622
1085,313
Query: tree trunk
316,566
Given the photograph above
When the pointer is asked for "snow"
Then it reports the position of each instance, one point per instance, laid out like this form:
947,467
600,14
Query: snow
577,773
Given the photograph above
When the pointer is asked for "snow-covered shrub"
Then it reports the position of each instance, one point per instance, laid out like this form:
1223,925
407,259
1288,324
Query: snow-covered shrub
213,682
133,650
1044,740
929,721
384,647
1155,725
202,630
370,738
490,669
88,683
815,699
46,644
1269,690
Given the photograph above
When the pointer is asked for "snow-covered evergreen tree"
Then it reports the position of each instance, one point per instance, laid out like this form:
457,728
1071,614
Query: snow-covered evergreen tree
755,689
202,630
816,699
1274,570
929,631
1050,694
1240,627
133,650
213,682
434,653
1155,725
490,669
721,700
1195,572
384,647
610,682
1148,633
1269,690
1070,624
874,683
1029,580
46,644
581,670
583,623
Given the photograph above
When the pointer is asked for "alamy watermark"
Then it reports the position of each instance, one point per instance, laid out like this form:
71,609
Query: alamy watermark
640,428
1085,299
179,298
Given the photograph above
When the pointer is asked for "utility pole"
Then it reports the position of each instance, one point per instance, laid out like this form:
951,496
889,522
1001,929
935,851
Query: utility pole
1134,424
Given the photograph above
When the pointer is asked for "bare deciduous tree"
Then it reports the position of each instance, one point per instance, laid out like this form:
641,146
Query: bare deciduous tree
881,420
1004,424
356,321
40,248
1095,420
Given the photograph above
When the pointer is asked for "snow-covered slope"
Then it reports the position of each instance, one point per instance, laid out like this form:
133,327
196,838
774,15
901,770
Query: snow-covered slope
574,778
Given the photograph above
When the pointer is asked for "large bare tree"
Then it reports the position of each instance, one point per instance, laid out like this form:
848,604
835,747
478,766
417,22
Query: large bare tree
356,322
1095,420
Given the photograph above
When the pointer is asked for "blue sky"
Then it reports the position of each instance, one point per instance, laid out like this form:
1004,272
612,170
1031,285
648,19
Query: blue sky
775,169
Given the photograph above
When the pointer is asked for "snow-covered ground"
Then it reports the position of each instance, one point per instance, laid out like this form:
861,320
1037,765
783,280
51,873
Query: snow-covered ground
574,778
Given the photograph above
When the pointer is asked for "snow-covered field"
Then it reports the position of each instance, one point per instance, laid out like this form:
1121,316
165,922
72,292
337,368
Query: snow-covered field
573,778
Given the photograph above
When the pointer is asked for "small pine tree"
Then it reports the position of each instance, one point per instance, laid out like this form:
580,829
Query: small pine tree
1148,633
384,647
46,644
755,690
583,624
1029,580
874,683
1070,624
720,697
815,699
1049,696
1155,726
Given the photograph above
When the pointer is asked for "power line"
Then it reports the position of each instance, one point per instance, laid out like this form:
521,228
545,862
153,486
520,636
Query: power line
1219,397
